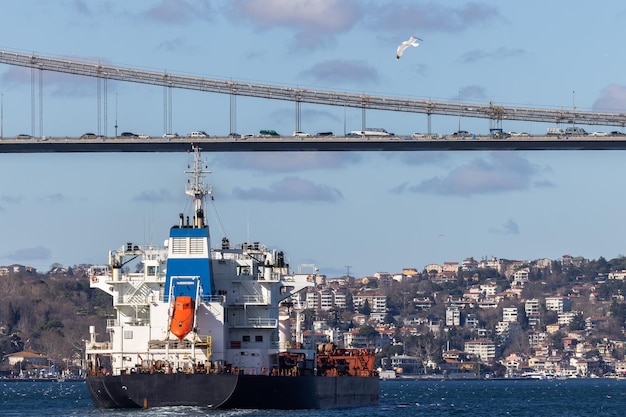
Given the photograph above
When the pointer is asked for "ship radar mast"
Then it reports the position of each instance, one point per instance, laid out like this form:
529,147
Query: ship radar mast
196,187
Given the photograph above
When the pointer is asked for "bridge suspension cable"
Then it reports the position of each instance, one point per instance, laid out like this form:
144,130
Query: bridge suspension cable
300,95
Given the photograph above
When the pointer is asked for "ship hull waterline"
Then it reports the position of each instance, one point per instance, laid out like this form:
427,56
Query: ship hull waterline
232,391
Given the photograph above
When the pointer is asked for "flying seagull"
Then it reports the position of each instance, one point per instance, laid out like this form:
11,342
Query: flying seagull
413,41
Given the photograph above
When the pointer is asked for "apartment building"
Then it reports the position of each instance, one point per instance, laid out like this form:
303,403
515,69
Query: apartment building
484,349
509,314
453,316
558,303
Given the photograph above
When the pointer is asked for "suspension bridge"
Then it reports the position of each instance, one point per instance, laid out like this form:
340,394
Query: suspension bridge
495,113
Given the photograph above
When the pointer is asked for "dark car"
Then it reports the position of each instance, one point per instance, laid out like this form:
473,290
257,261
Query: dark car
268,133
128,135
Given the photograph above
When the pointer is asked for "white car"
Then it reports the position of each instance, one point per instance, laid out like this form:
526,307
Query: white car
198,134
170,135
297,134
598,134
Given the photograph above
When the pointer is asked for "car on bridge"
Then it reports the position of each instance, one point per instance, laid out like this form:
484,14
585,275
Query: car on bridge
89,136
128,135
497,133
298,134
268,133
170,135
575,131
23,136
198,134
462,134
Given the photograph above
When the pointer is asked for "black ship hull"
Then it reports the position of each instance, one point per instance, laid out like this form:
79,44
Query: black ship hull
232,391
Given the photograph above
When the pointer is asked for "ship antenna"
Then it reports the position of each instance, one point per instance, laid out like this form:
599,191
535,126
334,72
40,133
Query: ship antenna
196,188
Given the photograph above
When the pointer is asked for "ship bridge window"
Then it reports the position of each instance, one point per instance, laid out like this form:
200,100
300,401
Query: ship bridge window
244,270
246,338
258,338
152,270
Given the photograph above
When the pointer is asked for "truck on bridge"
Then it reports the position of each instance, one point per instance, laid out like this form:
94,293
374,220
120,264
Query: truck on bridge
371,131
555,131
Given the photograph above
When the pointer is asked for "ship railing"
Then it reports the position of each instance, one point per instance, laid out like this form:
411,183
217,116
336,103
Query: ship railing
172,344
139,322
254,299
263,322
99,346
288,278
212,299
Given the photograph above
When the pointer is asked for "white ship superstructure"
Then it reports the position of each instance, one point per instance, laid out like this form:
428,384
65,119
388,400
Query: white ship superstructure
235,293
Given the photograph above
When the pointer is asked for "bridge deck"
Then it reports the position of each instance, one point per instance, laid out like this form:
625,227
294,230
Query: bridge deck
291,144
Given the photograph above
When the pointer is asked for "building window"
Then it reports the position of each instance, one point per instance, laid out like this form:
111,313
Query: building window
258,338
246,338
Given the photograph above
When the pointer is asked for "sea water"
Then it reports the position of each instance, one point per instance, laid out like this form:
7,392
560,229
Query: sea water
523,398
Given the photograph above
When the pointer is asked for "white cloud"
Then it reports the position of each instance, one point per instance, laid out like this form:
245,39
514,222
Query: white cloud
288,161
612,98
341,71
290,189
500,172
508,228
154,196
314,21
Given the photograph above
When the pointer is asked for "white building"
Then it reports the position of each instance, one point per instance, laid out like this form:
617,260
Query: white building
485,349
558,304
377,302
509,314
532,307
566,317
453,316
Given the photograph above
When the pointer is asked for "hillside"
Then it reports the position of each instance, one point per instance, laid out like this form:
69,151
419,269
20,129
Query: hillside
50,313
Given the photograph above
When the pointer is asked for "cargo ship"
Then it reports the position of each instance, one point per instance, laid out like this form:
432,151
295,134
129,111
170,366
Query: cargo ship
211,327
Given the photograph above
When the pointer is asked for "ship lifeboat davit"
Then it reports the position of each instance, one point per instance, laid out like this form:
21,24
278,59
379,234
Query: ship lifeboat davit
182,316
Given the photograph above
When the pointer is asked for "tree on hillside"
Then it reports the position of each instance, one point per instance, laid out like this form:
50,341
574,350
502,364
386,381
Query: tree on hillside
425,347
577,323
366,309
369,333
618,312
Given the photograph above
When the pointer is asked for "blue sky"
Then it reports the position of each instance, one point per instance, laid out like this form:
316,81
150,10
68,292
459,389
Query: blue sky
369,211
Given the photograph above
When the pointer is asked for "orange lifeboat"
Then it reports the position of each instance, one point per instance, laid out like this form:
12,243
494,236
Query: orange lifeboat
182,316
